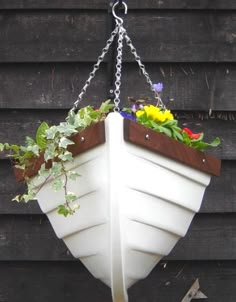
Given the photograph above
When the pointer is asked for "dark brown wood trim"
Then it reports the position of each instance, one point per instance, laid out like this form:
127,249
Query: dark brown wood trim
85,140
162,144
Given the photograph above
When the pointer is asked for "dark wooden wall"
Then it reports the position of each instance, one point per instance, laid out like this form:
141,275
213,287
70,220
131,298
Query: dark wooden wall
47,49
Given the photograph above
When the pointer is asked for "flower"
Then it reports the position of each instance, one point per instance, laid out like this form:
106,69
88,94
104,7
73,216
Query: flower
191,134
158,87
155,113
128,115
160,119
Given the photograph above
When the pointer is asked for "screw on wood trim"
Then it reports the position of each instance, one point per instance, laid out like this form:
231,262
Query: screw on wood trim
147,136
82,139
204,160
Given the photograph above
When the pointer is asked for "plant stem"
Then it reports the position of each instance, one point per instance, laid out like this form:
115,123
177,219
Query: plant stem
65,187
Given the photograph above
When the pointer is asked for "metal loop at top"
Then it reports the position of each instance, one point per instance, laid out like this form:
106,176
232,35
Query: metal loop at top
119,19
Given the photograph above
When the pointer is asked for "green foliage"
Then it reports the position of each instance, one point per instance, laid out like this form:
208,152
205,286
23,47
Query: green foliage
52,143
162,120
40,135
65,210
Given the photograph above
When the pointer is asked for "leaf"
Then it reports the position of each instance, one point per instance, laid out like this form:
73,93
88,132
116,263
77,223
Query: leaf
166,131
215,142
67,156
70,197
51,132
66,129
17,198
170,123
43,172
64,142
58,184
106,106
203,145
14,148
64,210
29,141
56,169
177,134
28,197
73,175
34,149
50,152
40,135
71,117
2,147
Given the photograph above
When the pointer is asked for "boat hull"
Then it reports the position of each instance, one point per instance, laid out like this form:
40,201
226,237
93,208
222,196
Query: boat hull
135,205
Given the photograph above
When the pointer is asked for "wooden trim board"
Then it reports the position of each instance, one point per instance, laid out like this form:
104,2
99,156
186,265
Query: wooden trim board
147,138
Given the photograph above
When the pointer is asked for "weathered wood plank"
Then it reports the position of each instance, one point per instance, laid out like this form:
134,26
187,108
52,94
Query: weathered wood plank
78,36
30,238
220,196
58,4
70,282
56,86
48,85
170,283
211,237
186,86
102,4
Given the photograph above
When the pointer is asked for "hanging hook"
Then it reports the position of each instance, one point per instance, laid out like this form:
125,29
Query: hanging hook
119,19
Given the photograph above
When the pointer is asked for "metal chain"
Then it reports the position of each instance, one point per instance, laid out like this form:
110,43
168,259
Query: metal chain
121,33
96,67
143,69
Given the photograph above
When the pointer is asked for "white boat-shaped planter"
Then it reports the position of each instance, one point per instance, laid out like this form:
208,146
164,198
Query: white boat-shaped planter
138,193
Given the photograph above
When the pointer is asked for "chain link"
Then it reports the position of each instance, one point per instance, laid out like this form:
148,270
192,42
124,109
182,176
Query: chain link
143,69
96,67
121,33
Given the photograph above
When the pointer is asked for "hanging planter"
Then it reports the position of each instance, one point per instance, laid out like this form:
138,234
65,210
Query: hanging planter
138,193
136,190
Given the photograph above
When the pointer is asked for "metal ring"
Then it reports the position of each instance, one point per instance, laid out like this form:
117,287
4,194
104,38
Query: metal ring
119,19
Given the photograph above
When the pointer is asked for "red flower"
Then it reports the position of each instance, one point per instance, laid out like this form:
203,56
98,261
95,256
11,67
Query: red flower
191,134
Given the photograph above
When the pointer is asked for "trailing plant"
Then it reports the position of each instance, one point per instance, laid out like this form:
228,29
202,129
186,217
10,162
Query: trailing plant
51,143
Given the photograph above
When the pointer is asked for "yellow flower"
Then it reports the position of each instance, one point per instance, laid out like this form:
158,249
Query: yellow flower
160,117
168,115
139,113
155,113
152,111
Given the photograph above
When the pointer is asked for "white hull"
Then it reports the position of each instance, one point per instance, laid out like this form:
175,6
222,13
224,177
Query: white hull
134,207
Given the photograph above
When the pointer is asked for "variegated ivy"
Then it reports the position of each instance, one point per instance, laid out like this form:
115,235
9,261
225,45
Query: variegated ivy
52,142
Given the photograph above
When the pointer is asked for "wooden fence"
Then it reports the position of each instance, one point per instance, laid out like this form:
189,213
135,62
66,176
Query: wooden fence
47,49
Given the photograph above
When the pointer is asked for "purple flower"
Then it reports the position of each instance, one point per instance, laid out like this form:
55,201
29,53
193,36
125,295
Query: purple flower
128,115
158,87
